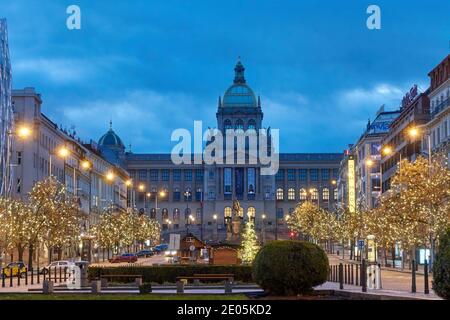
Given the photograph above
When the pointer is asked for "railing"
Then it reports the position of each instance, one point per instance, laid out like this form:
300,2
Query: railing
440,107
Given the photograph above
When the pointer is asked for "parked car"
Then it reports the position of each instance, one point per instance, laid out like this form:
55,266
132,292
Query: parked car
14,269
161,247
56,265
125,257
145,253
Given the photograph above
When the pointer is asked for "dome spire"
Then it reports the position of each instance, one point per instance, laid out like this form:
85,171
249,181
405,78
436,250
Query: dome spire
110,124
239,72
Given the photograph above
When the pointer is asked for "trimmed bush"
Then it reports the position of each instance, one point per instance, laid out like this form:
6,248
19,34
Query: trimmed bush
290,267
145,288
441,267
169,273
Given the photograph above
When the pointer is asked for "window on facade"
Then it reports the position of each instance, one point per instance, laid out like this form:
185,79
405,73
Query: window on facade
314,174
335,173
303,194
291,194
154,175
241,212
227,215
165,175
325,174
198,194
176,215
198,175
335,194
251,124
291,174
176,175
198,216
19,158
280,175
187,175
227,124
153,213
211,174
240,124
326,194
187,213
303,174
142,175
165,215
280,214
314,194
280,194
176,194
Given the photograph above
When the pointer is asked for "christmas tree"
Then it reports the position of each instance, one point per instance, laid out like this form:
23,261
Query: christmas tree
249,244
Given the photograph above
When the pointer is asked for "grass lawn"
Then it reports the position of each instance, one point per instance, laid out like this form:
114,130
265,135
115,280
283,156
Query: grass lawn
88,296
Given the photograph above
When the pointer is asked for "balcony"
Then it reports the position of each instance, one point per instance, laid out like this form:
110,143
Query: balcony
440,107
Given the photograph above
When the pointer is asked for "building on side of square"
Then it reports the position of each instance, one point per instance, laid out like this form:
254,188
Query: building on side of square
206,191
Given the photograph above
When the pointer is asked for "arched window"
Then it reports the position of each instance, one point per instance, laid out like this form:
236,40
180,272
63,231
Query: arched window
176,216
314,194
251,212
153,213
165,215
227,215
239,124
198,215
303,194
251,125
280,194
291,194
227,124
326,194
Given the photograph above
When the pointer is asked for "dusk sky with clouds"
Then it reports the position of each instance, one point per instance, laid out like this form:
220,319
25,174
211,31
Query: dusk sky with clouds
154,66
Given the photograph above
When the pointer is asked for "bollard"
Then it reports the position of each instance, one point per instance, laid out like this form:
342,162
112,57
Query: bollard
32,276
425,276
10,279
379,274
19,275
413,276
47,287
180,286
55,276
65,274
228,286
96,286
26,276
3,278
351,277
60,275
341,276
363,278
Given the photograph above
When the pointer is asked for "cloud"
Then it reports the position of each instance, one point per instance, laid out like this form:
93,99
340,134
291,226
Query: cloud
143,118
371,97
55,70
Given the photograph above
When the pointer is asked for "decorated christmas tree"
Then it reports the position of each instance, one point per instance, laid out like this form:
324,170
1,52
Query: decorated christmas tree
249,244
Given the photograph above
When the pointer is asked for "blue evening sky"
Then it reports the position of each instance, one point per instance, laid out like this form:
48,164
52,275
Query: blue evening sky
154,66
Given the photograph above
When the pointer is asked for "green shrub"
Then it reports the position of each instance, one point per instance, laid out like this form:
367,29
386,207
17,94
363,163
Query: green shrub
441,267
145,288
290,267
169,273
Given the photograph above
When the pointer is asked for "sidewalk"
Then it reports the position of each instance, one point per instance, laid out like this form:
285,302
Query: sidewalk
381,294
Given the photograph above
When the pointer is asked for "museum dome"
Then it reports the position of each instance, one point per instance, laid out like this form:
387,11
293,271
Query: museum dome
239,94
110,139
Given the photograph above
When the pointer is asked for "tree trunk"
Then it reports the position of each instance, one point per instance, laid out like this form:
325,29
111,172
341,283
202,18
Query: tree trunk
50,255
30,256
59,253
393,256
385,257
20,250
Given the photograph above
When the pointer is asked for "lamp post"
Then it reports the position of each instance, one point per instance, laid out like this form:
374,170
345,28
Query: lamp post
215,230
187,195
263,216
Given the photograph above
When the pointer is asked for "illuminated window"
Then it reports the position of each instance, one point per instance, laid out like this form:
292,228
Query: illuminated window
291,194
251,212
335,194
303,194
314,194
280,194
227,215
326,194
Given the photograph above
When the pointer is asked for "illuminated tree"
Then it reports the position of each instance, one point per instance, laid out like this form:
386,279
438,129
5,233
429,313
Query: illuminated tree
249,244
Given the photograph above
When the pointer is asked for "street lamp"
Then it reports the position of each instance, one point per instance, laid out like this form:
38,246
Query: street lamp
24,132
216,231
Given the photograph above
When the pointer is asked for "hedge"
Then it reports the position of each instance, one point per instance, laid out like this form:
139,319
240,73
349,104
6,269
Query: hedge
441,267
169,273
